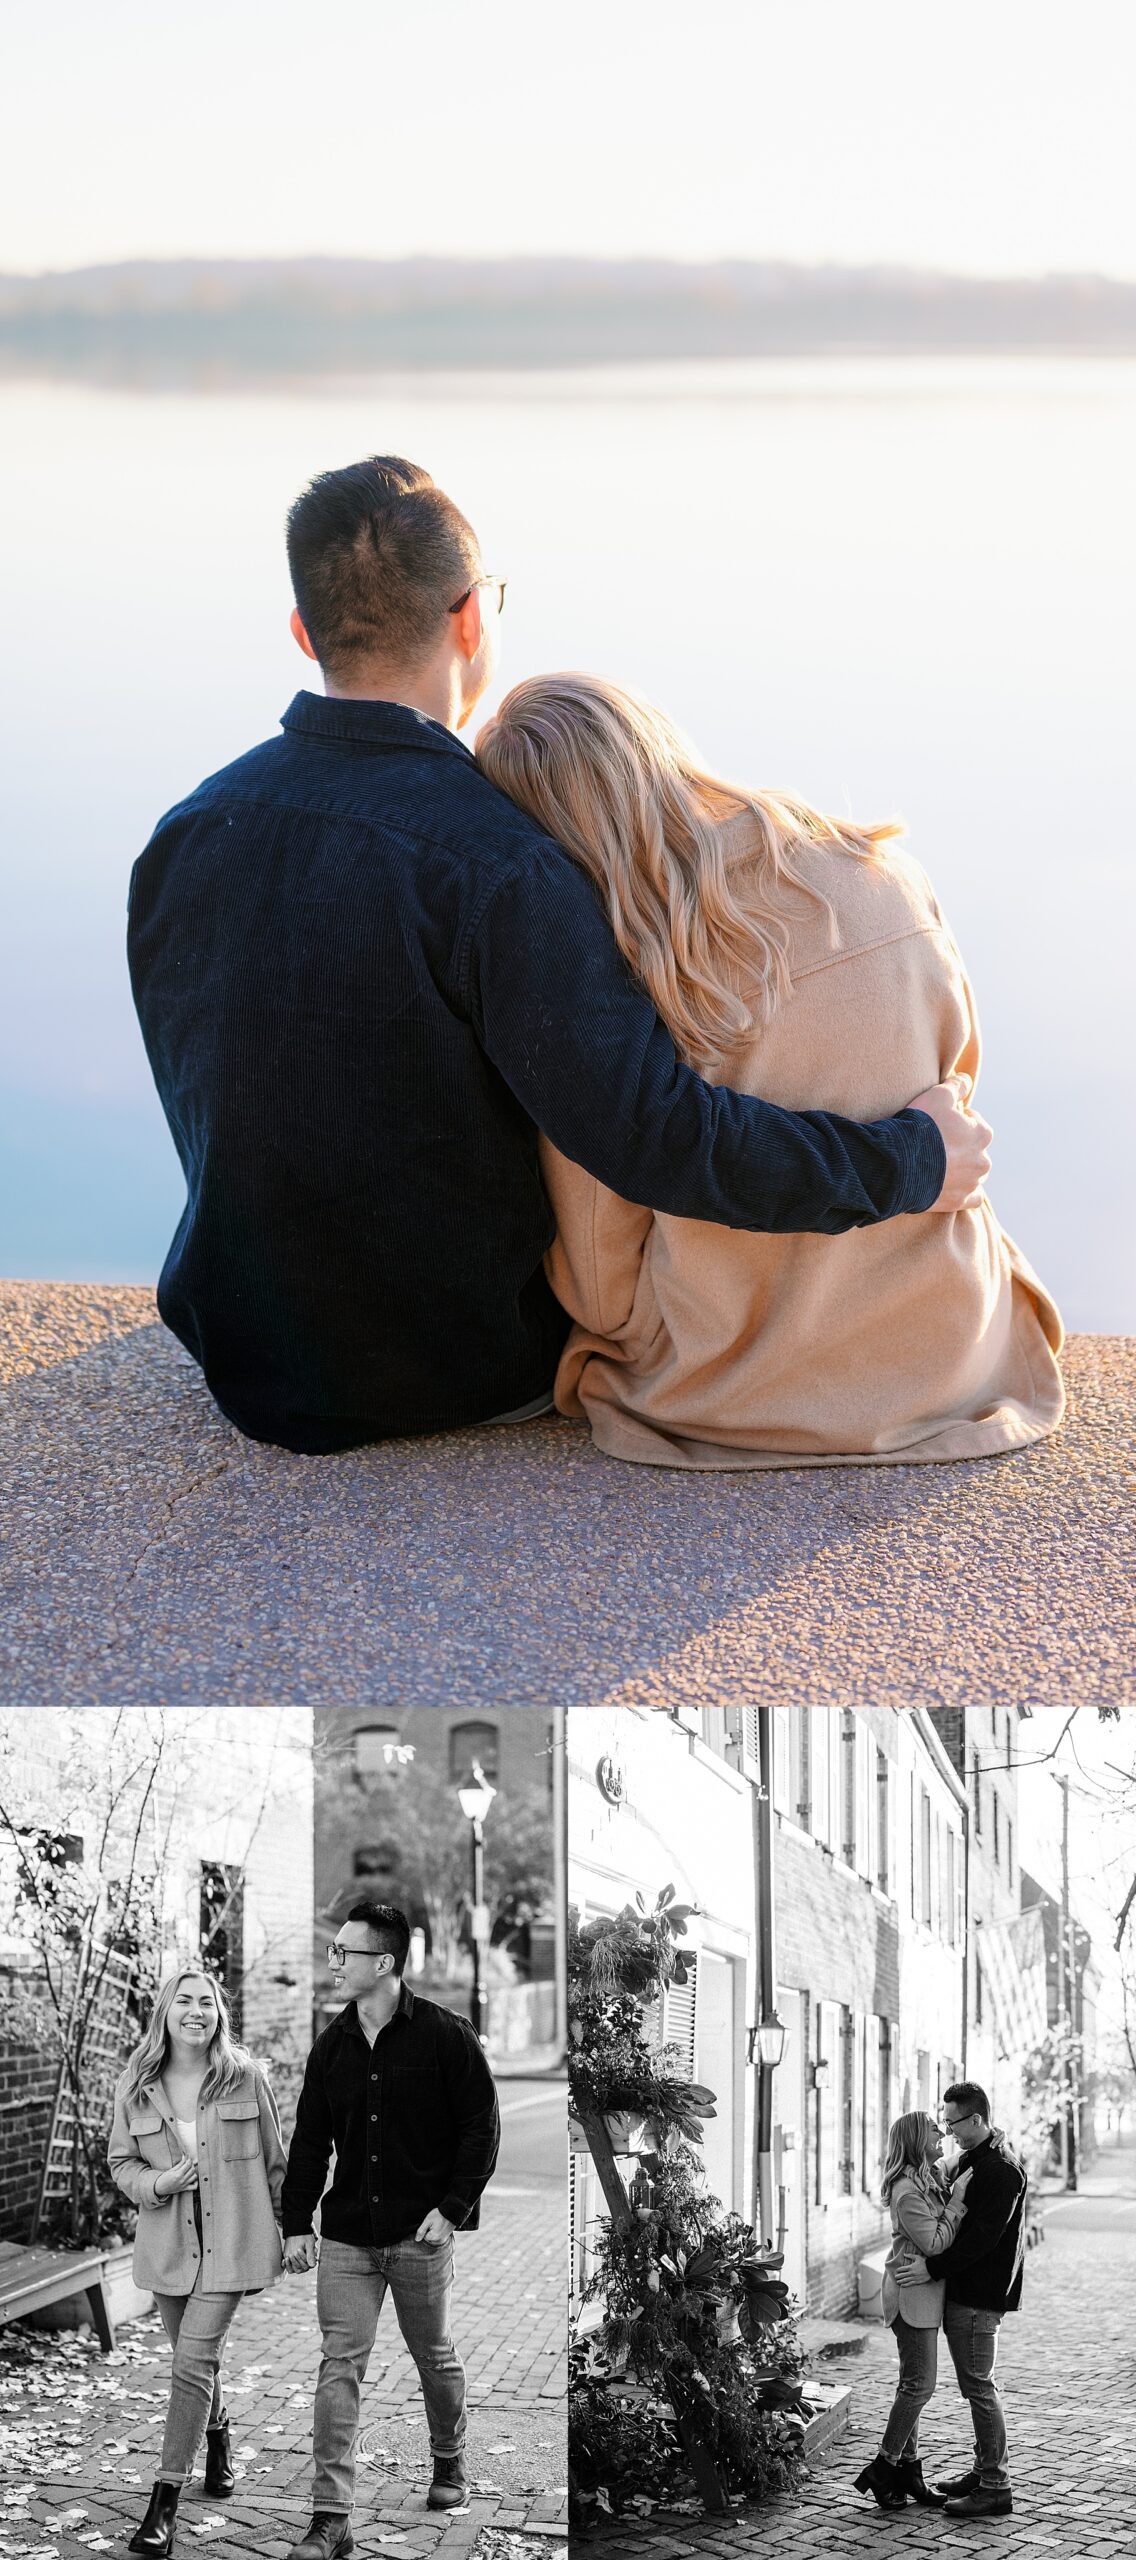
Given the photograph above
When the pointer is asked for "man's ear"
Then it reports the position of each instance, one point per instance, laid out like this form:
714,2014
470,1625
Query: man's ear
468,625
299,634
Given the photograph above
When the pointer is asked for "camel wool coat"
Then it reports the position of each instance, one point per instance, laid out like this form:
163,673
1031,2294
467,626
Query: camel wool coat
922,1338
921,2220
241,2163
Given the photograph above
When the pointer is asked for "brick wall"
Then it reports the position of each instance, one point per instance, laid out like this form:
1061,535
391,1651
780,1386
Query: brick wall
835,1938
27,2089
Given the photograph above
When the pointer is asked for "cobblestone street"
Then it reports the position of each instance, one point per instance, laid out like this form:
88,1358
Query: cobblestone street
90,2426
1067,2370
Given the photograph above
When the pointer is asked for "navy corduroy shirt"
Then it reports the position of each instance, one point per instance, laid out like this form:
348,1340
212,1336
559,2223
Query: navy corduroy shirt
365,979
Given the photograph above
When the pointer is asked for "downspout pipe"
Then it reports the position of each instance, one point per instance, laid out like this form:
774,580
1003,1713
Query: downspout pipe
767,1975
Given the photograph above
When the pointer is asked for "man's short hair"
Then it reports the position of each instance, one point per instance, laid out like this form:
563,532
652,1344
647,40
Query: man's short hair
967,2095
378,554
389,1925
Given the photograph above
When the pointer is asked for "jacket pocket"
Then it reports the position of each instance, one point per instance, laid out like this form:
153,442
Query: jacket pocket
240,2128
148,2129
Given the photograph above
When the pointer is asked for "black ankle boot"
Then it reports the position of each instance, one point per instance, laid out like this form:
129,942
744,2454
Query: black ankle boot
220,2477
883,2479
155,2534
909,2472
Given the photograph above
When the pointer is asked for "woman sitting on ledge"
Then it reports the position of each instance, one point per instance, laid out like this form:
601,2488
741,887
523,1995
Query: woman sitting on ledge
806,960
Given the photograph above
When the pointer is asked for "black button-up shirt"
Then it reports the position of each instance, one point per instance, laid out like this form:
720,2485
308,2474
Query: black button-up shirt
365,980
412,2119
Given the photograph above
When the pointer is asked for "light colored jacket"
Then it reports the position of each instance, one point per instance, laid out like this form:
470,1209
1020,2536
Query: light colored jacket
241,2164
920,2222
922,1338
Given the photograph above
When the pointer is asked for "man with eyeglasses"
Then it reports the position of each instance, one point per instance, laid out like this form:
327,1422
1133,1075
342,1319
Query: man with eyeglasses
983,2270
400,2090
366,980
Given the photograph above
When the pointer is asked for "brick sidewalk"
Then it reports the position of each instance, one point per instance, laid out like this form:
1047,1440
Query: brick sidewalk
90,2426
1067,2368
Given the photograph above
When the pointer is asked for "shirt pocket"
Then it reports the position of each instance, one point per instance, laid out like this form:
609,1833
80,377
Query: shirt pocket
240,2128
148,2129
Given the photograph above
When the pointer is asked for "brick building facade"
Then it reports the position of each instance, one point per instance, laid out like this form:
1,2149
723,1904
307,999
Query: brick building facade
1005,1949
385,1789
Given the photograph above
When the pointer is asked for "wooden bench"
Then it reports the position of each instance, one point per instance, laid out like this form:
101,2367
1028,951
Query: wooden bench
29,2278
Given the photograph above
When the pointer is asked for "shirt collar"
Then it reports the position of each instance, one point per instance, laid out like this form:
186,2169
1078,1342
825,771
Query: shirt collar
368,724
349,2017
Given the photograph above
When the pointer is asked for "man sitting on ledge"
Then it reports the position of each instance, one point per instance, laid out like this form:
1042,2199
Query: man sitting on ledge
366,980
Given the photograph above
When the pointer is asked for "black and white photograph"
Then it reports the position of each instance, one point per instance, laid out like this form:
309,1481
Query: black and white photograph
852,2070
282,2171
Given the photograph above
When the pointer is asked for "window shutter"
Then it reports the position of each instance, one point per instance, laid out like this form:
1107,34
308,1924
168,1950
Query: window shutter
680,2010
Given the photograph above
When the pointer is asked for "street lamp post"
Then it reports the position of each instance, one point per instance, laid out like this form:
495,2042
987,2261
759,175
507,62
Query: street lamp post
475,1799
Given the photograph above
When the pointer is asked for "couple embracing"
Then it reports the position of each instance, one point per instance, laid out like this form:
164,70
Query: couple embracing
400,2090
955,2262
565,1070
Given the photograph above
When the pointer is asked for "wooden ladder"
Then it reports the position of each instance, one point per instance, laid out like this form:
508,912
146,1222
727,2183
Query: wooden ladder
101,2064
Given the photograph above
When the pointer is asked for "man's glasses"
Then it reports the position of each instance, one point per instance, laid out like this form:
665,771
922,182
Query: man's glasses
495,586
338,1955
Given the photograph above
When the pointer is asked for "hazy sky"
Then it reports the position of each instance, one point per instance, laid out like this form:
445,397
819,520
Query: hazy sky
1102,1817
985,135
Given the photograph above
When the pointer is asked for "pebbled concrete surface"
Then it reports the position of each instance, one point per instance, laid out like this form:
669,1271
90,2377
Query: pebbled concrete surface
153,1556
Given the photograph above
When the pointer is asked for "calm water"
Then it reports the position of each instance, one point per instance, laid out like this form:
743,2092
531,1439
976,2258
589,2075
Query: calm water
888,586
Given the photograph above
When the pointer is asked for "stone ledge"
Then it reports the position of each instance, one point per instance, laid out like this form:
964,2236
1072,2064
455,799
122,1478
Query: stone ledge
153,1556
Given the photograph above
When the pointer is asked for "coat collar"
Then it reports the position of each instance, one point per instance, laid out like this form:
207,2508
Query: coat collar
369,724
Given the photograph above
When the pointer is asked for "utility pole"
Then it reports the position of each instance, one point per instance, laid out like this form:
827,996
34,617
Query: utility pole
1066,1982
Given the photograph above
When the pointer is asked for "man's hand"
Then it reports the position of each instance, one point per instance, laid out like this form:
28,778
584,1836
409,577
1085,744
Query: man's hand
300,2252
966,1139
435,2229
911,2271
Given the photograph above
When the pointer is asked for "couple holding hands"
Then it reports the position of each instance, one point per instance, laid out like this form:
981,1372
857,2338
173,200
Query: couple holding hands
401,2091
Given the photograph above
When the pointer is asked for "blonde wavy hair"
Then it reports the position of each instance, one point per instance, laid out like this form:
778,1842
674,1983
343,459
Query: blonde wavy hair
227,2060
629,798
907,2155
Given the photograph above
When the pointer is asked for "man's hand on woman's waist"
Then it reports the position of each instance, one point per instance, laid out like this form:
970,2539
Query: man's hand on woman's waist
965,1137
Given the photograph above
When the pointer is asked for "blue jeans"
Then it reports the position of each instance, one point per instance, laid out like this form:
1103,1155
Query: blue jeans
351,2287
197,2324
918,2368
972,2337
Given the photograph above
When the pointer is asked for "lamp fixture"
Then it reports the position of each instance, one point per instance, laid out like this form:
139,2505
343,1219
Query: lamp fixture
477,1795
767,2041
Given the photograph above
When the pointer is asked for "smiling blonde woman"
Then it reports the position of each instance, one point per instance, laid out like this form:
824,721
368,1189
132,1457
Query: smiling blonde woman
806,960
196,2146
